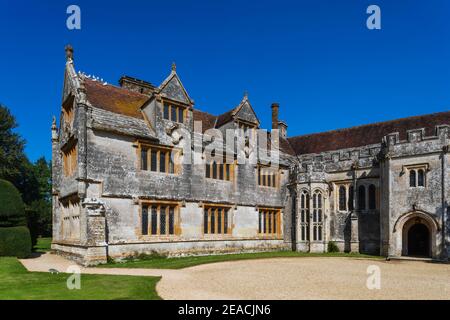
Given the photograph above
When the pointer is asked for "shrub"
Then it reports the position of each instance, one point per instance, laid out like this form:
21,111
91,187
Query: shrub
332,247
15,242
32,224
12,212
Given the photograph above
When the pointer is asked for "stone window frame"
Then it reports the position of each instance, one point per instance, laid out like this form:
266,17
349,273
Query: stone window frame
373,197
362,195
247,127
337,186
415,169
367,196
263,182
169,104
227,171
70,208
174,152
159,203
68,110
214,208
69,154
317,215
304,206
312,208
275,215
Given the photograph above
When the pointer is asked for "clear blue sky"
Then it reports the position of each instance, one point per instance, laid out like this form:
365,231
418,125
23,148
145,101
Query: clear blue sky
316,58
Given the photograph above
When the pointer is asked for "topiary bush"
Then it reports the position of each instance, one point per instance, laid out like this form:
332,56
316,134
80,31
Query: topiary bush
15,242
12,209
332,247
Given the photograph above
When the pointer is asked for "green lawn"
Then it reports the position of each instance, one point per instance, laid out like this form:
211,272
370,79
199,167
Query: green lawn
43,245
17,283
184,262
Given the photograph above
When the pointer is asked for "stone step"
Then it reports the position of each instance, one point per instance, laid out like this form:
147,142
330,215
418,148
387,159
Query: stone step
407,258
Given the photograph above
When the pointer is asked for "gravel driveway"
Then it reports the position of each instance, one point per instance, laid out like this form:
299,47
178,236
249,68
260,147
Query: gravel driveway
285,278
308,278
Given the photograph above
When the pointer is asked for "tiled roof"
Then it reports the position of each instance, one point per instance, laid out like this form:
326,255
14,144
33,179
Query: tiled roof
128,103
366,134
114,99
207,119
224,118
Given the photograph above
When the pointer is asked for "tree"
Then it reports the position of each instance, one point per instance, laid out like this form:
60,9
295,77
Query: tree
12,210
11,147
32,180
42,206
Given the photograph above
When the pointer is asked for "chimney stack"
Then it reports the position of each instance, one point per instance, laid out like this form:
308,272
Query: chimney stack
275,107
136,85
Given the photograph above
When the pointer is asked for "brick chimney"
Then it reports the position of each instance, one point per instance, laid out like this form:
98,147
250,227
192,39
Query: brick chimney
275,107
278,124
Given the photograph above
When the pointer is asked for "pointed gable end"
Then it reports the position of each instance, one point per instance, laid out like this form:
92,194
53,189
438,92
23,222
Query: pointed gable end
173,89
245,112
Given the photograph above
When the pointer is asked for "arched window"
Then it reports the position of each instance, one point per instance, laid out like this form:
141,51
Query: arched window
412,178
372,197
342,199
350,198
304,216
420,178
317,216
362,198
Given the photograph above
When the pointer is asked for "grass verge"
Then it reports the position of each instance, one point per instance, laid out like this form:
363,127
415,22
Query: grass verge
16,283
158,262
43,245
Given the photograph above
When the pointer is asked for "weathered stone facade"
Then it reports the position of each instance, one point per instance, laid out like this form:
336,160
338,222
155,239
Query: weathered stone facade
116,193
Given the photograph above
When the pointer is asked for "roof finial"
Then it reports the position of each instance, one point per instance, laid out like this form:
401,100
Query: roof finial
69,52
246,94
174,66
54,130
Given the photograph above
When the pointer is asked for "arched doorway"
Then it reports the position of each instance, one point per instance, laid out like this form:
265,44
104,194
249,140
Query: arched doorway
419,240
415,233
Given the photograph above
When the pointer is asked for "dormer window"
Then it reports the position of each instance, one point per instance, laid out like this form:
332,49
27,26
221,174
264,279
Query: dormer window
173,112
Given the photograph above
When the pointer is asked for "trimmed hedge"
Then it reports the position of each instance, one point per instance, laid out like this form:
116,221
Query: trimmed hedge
12,209
15,242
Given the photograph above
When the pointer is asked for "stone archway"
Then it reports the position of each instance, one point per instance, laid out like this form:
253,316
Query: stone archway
415,234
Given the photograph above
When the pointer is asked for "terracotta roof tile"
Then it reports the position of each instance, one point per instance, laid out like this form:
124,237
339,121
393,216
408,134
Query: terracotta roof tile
224,118
207,119
366,134
115,99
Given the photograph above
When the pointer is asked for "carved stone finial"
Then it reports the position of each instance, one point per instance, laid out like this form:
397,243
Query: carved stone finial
54,130
245,94
69,52
174,66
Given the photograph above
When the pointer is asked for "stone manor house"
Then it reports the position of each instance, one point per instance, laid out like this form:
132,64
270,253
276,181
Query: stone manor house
381,188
